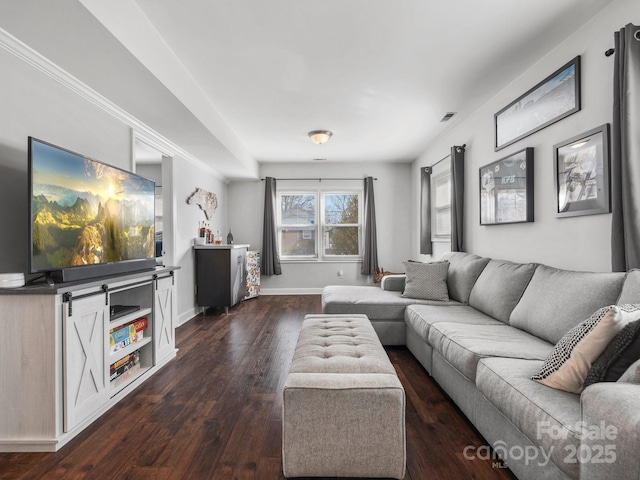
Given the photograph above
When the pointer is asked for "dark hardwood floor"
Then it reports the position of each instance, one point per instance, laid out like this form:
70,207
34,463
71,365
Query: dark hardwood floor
215,411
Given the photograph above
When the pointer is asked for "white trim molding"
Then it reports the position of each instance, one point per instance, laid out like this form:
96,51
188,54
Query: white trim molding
28,55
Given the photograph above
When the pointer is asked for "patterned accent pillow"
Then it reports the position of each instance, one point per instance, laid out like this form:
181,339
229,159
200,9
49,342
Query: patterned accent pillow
568,363
623,350
426,281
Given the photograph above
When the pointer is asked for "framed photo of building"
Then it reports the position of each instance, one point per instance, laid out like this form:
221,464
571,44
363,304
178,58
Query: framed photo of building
553,99
506,189
581,168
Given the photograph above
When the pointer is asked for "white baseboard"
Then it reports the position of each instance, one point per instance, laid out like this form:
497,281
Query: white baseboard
290,291
184,317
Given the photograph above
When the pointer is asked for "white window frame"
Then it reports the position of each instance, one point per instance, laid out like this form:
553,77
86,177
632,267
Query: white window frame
320,193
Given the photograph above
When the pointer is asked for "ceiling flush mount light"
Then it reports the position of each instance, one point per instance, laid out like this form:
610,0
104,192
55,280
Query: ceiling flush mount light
320,136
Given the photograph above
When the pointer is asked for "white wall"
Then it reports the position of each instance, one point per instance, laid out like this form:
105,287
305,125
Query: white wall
33,104
573,243
152,171
186,177
392,195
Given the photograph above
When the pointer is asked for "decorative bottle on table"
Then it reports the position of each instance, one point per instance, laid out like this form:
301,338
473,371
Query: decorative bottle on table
230,238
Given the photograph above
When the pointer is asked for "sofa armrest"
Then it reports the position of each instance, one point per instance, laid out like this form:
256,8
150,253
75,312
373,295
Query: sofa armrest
393,283
611,431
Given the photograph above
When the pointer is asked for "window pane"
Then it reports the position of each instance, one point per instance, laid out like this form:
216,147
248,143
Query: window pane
341,241
443,191
340,208
443,221
298,209
298,241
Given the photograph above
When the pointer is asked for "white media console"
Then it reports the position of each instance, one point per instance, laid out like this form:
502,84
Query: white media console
56,361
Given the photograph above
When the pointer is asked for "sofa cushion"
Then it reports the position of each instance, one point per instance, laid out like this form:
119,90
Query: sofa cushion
569,362
631,288
557,300
374,302
632,375
549,418
427,281
464,270
464,345
421,317
499,287
621,352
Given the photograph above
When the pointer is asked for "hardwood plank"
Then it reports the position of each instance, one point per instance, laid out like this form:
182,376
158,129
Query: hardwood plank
215,411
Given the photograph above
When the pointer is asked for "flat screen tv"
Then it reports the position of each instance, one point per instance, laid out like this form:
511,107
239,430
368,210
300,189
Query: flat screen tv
87,218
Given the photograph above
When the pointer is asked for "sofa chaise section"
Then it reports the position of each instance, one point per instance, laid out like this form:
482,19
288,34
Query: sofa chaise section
385,308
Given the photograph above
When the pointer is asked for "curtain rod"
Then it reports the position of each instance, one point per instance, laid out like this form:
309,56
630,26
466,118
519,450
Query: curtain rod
441,160
445,157
320,179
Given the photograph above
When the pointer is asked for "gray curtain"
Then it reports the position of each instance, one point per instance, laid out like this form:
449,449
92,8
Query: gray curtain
625,151
370,254
426,247
270,261
457,198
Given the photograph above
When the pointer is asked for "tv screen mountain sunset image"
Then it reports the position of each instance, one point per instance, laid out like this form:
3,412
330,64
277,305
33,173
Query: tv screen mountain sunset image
85,212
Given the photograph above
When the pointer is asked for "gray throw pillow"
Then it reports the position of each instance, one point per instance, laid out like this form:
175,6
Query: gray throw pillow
426,281
616,359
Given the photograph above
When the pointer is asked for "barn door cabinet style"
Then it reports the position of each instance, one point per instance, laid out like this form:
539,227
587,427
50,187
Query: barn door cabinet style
70,352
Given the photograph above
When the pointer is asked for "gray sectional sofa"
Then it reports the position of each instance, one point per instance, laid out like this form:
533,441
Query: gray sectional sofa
484,344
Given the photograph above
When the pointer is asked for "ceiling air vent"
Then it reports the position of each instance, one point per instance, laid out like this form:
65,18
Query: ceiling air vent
447,116
319,159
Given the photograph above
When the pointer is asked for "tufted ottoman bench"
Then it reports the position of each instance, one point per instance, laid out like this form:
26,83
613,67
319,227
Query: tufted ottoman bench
343,405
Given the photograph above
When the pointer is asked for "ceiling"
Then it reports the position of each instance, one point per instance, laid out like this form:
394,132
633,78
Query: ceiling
242,82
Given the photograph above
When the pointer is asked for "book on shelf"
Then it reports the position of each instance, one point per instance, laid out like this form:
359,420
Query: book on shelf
127,334
125,366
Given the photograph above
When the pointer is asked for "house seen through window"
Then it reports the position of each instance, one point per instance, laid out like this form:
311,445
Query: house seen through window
320,225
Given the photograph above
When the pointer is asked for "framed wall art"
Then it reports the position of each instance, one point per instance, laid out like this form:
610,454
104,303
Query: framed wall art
581,168
553,99
506,189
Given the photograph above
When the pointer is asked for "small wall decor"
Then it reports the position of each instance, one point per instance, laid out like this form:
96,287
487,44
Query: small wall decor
581,167
506,189
553,99
207,201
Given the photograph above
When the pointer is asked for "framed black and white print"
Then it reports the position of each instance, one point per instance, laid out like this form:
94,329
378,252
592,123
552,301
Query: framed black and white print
581,168
506,189
553,99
